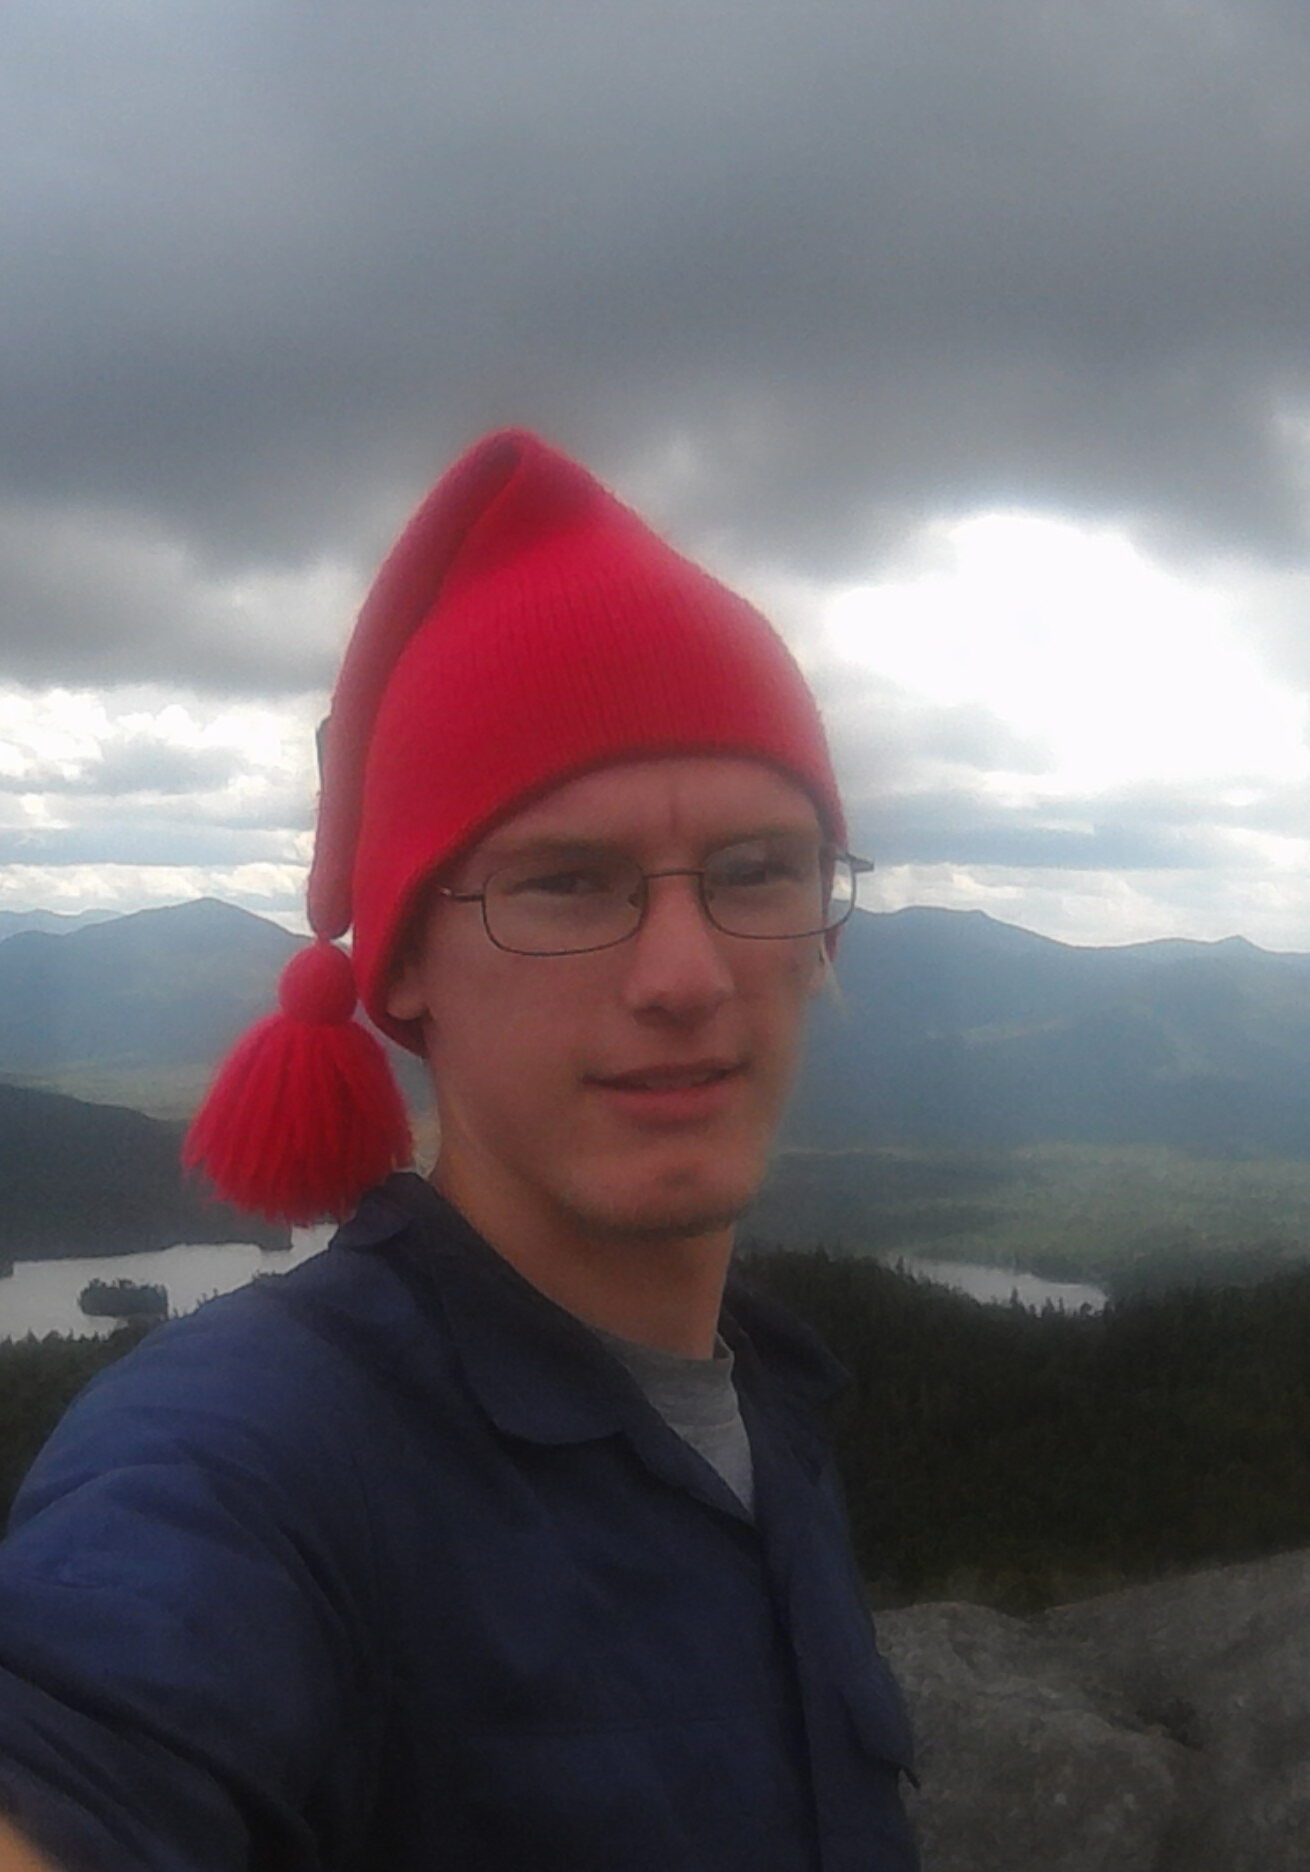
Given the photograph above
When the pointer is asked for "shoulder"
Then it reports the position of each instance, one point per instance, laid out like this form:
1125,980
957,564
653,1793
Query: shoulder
290,1376
196,1621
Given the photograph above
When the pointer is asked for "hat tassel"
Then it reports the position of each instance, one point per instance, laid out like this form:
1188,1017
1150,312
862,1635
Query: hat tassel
304,1113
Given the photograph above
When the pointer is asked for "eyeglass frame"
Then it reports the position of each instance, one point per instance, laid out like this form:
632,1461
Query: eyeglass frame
860,867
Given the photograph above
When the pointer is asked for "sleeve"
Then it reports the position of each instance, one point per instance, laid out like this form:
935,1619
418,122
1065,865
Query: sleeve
182,1623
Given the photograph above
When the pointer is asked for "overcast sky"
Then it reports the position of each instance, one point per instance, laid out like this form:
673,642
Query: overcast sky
972,340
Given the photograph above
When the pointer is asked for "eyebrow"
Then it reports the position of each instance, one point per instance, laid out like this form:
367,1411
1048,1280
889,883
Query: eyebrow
547,843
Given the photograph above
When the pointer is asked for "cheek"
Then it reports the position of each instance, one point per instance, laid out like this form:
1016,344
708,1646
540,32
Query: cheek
783,984
789,1002
506,1057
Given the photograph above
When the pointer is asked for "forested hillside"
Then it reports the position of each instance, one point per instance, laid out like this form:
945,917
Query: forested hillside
956,1031
1131,1218
82,1179
1021,1458
988,1452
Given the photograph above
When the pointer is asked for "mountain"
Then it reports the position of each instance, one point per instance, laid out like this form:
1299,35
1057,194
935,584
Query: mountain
137,1010
83,1179
50,922
954,1030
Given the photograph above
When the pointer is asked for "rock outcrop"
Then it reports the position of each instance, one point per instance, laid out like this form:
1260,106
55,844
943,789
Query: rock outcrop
1165,1728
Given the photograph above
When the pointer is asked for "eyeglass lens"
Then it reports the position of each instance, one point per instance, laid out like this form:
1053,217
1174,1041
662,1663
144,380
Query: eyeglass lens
767,887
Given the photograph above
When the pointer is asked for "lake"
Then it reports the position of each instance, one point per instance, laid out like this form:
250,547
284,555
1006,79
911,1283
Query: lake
1001,1283
41,1296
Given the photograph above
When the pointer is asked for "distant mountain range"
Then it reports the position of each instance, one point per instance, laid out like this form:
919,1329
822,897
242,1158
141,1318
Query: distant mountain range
958,1031
954,1031
137,1010
50,922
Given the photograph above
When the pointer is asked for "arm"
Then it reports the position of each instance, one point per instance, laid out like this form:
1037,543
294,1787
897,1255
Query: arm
181,1619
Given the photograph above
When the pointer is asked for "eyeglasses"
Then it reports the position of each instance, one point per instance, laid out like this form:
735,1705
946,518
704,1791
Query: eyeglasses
766,889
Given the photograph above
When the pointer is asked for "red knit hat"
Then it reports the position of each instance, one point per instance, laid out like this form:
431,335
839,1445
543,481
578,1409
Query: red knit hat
525,628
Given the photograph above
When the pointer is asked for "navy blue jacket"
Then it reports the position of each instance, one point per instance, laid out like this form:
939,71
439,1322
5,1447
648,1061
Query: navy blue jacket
387,1563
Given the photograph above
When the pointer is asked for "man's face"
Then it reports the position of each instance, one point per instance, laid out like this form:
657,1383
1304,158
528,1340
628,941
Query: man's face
523,1048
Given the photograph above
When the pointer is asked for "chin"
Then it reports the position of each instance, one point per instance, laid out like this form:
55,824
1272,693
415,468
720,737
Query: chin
668,1212
681,1224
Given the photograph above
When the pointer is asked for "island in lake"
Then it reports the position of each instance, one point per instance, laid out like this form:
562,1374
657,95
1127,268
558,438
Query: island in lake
123,1299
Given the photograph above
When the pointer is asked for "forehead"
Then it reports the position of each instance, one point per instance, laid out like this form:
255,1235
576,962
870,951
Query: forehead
700,800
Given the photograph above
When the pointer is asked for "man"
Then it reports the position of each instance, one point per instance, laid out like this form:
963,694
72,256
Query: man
500,1534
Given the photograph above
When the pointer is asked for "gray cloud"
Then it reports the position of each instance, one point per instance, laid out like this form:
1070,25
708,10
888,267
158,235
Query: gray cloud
93,597
267,268
136,764
883,739
176,843
1140,830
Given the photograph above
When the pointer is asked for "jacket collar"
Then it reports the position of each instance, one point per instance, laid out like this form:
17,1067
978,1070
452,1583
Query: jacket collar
538,1372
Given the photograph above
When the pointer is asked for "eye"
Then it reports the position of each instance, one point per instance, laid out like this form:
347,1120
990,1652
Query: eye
564,881
757,865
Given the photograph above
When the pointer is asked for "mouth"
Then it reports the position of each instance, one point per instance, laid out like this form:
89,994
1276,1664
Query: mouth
671,1094
669,1078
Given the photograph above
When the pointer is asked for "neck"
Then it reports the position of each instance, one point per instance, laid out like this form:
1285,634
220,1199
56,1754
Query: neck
659,1290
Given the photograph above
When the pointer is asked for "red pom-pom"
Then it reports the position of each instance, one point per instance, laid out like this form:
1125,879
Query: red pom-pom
318,985
303,1115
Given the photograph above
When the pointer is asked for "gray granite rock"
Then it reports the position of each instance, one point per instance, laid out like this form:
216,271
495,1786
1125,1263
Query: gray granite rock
1165,1728
1222,1661
1023,1766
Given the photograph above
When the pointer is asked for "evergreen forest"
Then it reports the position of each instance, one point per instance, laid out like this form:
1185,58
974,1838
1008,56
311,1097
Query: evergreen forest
1021,1459
988,1452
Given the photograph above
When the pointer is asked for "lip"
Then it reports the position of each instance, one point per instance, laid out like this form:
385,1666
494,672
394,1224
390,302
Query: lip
666,1069
672,1104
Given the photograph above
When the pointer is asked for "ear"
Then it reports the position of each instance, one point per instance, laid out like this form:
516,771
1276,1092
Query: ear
406,997
824,976
406,1000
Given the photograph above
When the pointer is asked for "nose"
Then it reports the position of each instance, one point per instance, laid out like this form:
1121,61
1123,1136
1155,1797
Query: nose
677,963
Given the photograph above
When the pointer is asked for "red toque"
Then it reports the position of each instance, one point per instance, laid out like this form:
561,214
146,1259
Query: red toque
525,628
